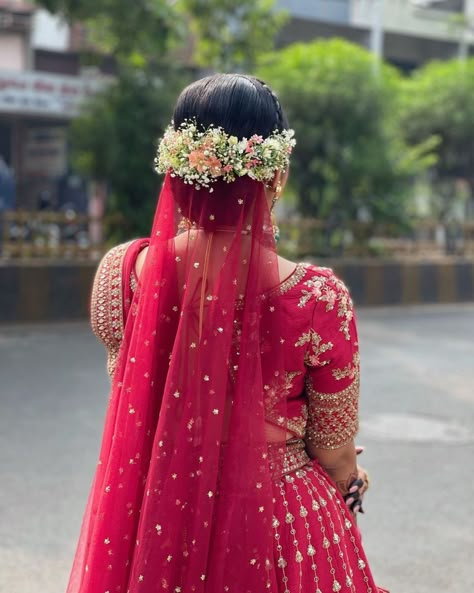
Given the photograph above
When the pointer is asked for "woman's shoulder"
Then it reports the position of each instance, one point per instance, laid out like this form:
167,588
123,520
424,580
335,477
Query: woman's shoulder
323,276
118,253
317,278
319,287
119,260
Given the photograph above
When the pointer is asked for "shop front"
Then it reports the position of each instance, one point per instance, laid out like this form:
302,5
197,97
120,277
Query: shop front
35,114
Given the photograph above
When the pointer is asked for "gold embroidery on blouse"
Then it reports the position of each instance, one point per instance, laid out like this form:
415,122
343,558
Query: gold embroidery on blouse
289,377
274,394
317,347
345,308
331,291
333,417
314,288
294,279
350,371
107,303
297,424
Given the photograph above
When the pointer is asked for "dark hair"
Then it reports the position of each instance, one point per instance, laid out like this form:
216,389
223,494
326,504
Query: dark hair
242,105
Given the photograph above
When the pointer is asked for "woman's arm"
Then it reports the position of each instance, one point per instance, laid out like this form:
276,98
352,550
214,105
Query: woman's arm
112,295
140,262
332,382
340,464
107,303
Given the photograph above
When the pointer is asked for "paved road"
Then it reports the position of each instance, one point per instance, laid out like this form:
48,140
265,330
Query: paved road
417,424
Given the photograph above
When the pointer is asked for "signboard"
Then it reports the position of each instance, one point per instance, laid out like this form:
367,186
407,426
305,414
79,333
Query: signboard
45,151
35,93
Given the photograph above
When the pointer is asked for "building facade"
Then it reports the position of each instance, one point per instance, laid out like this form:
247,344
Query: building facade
414,31
42,88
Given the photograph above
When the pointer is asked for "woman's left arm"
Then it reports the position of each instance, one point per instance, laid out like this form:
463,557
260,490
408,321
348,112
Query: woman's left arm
332,386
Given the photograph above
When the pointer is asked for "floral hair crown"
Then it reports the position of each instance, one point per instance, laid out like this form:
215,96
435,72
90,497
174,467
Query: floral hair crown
202,157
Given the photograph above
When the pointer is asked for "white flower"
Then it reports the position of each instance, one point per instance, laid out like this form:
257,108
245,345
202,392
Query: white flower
201,157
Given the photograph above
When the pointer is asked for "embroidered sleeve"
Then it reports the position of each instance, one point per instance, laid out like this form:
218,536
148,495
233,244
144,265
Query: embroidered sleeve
332,361
107,318
333,417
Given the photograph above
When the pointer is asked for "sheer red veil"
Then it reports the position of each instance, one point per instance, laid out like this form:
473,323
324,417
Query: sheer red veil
182,497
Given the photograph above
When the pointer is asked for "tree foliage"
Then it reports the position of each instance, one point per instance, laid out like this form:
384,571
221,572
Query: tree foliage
232,35
139,30
438,100
228,35
116,140
350,154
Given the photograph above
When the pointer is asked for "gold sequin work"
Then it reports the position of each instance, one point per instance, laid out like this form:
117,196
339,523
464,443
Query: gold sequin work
331,291
333,416
349,371
317,547
316,348
107,303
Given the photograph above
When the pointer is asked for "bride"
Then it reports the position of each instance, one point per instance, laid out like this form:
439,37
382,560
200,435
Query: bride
228,462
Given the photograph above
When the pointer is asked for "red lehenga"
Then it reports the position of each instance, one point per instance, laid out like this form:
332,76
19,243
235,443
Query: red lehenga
203,483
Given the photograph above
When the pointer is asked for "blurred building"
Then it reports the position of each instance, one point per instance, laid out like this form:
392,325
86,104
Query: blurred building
415,31
42,87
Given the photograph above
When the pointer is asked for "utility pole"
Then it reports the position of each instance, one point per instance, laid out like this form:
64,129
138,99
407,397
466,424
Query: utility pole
377,33
463,50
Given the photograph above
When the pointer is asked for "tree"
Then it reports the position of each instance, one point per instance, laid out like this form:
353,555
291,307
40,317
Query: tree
116,140
228,35
438,100
350,155
142,30
232,35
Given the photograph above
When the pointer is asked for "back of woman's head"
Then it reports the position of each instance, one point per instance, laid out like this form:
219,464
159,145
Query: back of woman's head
242,105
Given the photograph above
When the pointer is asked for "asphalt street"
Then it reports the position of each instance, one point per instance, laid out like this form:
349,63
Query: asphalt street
417,424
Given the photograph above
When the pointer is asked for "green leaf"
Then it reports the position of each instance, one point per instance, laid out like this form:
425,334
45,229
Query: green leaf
351,153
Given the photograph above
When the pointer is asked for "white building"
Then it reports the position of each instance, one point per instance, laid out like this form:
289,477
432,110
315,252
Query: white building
415,31
41,90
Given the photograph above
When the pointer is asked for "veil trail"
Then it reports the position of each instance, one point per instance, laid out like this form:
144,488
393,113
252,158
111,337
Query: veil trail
182,498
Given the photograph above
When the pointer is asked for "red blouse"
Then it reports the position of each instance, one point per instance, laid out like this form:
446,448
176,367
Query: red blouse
320,344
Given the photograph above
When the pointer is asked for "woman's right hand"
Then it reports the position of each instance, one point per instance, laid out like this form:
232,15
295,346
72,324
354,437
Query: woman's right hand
357,488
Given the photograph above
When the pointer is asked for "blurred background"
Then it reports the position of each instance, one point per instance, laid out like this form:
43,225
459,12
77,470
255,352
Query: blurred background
381,96
379,93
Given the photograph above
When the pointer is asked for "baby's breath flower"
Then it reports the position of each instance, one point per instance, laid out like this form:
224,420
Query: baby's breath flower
202,157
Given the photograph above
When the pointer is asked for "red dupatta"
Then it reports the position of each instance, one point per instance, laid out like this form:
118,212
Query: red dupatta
182,500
